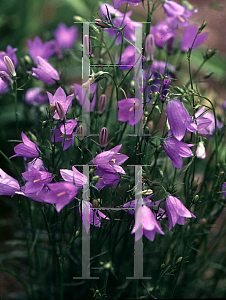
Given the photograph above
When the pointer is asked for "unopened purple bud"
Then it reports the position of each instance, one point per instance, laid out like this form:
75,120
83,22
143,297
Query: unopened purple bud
102,103
52,109
87,45
6,78
103,137
150,46
101,23
9,65
164,90
80,132
60,110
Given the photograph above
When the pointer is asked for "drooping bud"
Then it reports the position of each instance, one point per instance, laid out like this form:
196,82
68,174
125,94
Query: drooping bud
102,103
80,132
95,203
102,24
6,78
150,46
150,126
164,90
201,151
60,110
103,137
87,45
52,109
9,65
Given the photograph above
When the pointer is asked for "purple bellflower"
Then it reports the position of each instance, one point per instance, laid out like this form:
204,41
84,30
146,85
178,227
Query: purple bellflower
74,176
61,98
37,163
176,150
118,3
118,19
38,48
26,149
189,36
65,36
111,160
223,188
179,119
82,96
91,216
150,46
35,96
177,212
8,185
145,223
36,180
66,134
106,179
36,196
162,33
45,71
10,52
60,194
206,123
130,110
177,14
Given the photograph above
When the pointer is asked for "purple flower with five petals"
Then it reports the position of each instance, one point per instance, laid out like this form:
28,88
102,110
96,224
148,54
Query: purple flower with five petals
8,185
36,180
74,176
61,98
177,212
26,149
119,20
176,150
91,216
66,134
130,110
65,36
38,48
60,194
45,71
106,179
35,96
162,33
145,222
118,3
179,119
82,96
189,36
111,160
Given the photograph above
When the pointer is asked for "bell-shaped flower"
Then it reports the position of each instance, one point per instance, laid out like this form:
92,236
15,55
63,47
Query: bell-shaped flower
60,194
65,36
177,212
36,180
83,96
130,110
206,123
162,33
145,223
66,134
201,151
106,179
176,150
45,71
91,216
38,48
128,58
189,36
74,176
37,163
119,20
118,3
8,185
111,160
26,149
36,196
61,98
35,95
179,119
177,14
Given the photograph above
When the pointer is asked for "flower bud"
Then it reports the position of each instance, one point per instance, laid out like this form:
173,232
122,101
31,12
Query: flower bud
80,132
9,65
103,137
150,46
102,103
6,78
164,90
201,151
95,203
71,90
102,24
87,45
203,222
60,110
52,109
78,19
202,27
150,126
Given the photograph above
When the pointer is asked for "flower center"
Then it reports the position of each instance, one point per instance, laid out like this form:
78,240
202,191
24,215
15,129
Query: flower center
37,180
61,194
112,160
181,19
